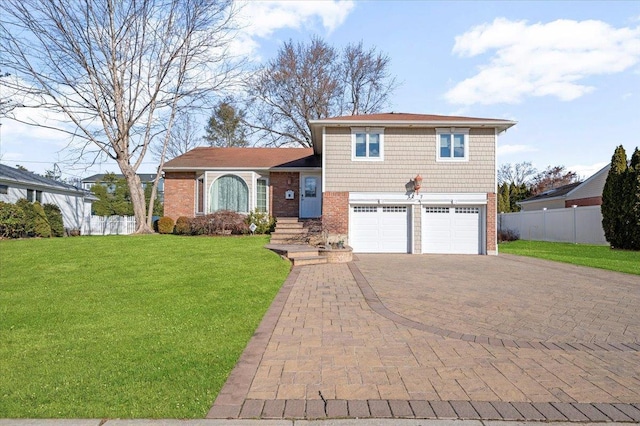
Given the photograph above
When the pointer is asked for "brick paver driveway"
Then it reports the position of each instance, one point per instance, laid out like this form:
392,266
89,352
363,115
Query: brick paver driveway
447,337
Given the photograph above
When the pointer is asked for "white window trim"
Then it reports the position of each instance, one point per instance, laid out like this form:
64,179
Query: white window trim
449,131
367,131
266,197
197,195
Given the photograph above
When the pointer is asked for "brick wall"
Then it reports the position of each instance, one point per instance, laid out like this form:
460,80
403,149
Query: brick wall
591,201
281,182
179,194
492,237
335,213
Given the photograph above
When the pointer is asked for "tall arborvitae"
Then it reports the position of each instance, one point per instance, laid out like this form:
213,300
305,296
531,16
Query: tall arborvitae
613,200
504,205
634,199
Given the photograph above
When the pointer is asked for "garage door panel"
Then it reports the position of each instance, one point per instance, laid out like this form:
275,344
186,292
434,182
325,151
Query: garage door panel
379,229
453,230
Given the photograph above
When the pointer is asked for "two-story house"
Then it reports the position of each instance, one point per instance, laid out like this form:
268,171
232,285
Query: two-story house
386,183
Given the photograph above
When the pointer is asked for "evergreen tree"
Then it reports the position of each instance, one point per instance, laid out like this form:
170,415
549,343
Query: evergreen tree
504,204
54,217
634,197
41,224
613,200
226,126
29,216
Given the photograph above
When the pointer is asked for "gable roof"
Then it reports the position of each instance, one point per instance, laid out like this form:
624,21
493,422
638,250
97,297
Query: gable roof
567,191
558,192
202,158
10,174
391,119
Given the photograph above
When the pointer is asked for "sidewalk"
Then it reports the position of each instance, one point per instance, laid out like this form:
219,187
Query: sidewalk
336,422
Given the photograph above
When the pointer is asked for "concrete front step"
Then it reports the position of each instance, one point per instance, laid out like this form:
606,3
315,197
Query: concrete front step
300,254
308,260
290,225
289,231
287,241
287,220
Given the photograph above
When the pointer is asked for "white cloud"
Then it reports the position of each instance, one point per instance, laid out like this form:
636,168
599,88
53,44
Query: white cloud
260,19
586,171
514,149
543,59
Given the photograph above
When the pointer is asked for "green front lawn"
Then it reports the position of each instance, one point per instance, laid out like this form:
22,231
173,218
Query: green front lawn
579,254
127,326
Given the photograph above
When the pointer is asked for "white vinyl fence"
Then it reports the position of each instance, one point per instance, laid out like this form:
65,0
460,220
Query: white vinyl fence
109,225
570,225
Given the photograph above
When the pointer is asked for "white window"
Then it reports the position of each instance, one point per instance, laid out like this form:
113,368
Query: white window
367,144
200,195
261,195
452,144
229,192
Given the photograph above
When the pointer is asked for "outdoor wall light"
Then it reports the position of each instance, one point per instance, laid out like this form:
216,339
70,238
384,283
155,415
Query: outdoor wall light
417,183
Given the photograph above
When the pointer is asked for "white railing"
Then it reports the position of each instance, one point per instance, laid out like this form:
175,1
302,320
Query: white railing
109,225
570,225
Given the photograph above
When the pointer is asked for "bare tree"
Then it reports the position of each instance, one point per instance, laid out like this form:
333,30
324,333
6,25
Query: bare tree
309,81
367,82
226,127
518,174
184,137
118,70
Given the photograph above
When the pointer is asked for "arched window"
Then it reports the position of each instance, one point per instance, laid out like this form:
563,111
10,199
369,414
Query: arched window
229,192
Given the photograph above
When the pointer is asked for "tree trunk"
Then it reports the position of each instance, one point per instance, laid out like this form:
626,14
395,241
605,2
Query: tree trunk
137,198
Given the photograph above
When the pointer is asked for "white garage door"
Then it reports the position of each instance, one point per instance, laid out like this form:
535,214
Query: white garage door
379,229
451,230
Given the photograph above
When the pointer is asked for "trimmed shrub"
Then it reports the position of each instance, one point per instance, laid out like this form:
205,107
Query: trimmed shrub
222,222
165,225
183,226
265,224
12,221
54,216
29,217
508,235
41,224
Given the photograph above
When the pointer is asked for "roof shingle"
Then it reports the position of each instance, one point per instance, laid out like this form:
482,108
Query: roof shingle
240,158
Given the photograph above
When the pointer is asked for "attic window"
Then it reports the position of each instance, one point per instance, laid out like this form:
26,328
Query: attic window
4,189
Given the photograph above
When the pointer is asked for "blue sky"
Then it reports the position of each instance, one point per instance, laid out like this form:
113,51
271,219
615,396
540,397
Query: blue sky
568,72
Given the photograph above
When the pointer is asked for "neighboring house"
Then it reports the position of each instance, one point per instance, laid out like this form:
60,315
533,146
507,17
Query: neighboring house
74,203
360,178
587,193
145,178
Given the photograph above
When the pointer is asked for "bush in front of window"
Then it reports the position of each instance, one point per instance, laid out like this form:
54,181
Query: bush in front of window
223,222
265,224
29,216
54,217
12,221
183,226
165,225
41,224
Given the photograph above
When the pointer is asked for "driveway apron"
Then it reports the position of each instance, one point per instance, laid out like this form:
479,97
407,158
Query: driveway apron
450,337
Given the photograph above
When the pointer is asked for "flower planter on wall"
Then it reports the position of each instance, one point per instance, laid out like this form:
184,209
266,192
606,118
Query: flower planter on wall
337,255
